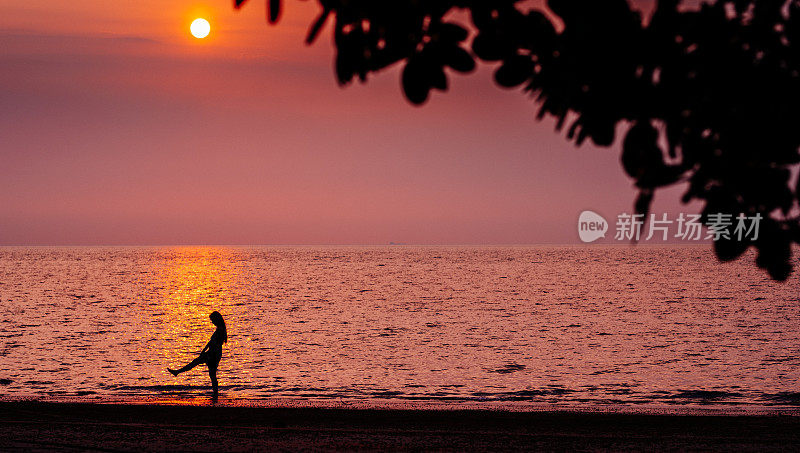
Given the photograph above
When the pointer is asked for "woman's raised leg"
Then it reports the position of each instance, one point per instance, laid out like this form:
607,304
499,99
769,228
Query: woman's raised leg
192,364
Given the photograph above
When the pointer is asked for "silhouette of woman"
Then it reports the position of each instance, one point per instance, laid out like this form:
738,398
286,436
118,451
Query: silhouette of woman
212,353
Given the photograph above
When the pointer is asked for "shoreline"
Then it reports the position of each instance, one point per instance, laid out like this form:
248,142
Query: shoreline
204,399
29,425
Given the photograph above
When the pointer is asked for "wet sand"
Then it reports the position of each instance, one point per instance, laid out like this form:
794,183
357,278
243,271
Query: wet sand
116,427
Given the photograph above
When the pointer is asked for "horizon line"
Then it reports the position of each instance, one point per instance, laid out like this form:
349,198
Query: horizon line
388,244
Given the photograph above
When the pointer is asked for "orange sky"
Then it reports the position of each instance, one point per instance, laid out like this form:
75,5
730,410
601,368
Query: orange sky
118,127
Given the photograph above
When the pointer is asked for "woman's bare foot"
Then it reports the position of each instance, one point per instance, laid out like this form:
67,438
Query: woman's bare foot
174,372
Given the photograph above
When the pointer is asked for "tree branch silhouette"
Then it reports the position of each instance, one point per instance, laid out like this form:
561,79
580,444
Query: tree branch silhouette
706,96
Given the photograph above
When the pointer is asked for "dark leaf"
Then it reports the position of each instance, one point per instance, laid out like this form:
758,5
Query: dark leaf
514,71
313,32
490,47
560,7
438,79
642,204
452,32
780,271
541,32
643,201
602,132
459,59
640,149
481,14
583,133
731,248
415,85
273,10
344,68
774,249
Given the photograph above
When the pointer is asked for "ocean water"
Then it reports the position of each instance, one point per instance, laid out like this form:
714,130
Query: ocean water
540,325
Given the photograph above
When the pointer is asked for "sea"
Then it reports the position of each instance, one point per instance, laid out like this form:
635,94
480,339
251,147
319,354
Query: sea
597,327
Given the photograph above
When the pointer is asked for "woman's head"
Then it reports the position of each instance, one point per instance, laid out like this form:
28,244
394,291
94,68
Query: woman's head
217,320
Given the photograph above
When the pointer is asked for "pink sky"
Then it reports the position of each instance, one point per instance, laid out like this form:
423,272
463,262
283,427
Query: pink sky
117,127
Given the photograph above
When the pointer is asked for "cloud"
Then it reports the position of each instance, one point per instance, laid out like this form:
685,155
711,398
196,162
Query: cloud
27,42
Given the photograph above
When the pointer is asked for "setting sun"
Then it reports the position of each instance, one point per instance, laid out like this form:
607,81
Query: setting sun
200,28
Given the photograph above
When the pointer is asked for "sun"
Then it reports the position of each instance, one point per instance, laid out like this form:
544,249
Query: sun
200,28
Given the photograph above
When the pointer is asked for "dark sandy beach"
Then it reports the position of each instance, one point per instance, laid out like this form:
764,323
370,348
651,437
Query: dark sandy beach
115,427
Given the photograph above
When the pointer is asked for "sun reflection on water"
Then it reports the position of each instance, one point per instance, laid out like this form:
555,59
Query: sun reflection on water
192,283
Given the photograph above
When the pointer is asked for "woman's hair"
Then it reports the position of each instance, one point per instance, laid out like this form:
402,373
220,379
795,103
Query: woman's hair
216,318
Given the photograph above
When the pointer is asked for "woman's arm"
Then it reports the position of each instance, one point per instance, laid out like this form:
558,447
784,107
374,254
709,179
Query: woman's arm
208,345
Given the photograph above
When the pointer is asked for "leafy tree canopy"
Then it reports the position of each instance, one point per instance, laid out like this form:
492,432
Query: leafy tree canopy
707,95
